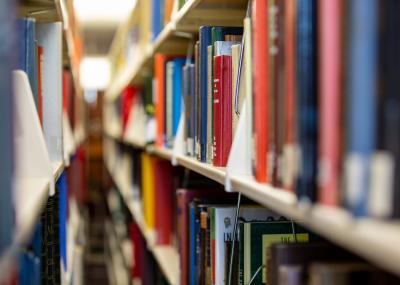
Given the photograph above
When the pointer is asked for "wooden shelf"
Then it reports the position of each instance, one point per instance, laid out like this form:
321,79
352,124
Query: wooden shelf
176,35
371,239
167,257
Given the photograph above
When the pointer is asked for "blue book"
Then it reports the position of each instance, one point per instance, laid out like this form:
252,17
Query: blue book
177,99
307,112
63,192
361,99
205,41
7,60
156,19
27,52
192,243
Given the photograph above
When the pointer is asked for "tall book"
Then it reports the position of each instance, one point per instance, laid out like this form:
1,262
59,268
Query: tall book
329,100
160,61
156,18
261,87
204,42
7,124
164,201
307,113
361,101
148,191
222,113
177,100
384,196
289,148
169,102
197,101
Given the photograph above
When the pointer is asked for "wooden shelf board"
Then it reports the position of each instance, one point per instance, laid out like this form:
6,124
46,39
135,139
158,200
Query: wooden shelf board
212,172
163,152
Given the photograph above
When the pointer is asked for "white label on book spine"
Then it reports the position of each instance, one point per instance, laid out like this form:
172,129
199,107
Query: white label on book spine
354,165
380,198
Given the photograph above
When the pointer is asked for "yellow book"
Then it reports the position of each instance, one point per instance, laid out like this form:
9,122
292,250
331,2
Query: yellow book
148,195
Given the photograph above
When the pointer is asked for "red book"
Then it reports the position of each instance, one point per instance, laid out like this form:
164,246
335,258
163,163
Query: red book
136,237
160,61
127,100
40,83
261,87
222,109
164,196
290,95
329,100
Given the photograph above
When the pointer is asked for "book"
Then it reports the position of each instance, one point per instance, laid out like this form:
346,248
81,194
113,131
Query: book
290,141
222,220
177,101
127,99
204,42
222,98
329,13
40,84
136,239
164,201
236,50
160,61
156,18
261,88
210,103
307,110
361,102
148,191
197,101
168,103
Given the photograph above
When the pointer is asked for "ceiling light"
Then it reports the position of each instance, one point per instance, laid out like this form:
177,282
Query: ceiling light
95,73
103,12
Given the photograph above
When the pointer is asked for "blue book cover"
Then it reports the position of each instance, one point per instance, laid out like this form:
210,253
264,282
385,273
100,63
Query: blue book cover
307,112
205,41
192,243
177,99
63,208
27,52
24,273
8,54
156,19
361,99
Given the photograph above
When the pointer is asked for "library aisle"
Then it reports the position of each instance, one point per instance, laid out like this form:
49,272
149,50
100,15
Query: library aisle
200,142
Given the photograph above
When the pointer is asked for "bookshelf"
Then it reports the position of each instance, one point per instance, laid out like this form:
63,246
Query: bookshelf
43,139
167,257
370,238
175,37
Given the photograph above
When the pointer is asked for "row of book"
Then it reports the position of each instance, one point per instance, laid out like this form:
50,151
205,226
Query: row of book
32,37
319,80
198,218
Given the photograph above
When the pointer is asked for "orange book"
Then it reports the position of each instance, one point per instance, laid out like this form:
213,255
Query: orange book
168,11
261,86
159,73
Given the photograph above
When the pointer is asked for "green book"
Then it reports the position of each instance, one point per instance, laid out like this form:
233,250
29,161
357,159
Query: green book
148,95
254,240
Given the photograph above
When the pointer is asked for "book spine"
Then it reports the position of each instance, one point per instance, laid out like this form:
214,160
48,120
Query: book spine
226,93
169,103
289,171
205,41
307,98
209,157
159,74
362,89
261,87
329,100
197,106
192,83
177,106
218,120
192,243
40,83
